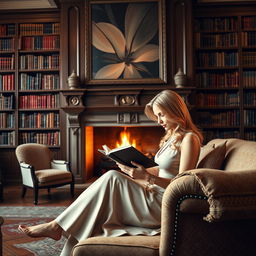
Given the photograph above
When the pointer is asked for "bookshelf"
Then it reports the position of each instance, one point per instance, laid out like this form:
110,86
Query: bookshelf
7,84
30,83
225,71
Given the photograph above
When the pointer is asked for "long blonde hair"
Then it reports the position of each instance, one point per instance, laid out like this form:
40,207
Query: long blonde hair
175,106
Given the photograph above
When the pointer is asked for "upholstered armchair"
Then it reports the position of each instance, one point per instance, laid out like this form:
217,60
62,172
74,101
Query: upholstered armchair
207,211
40,171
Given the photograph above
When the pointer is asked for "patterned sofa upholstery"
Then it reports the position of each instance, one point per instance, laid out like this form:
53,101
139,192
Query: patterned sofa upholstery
205,212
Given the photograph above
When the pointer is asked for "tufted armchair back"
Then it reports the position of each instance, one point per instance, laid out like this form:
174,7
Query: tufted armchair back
37,155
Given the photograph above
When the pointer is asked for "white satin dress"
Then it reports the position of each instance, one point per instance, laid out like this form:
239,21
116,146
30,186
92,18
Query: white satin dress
116,205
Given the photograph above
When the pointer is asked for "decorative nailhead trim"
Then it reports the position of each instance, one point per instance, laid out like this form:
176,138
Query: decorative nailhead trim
177,211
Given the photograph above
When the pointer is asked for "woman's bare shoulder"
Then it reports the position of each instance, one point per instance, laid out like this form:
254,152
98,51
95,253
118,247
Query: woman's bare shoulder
190,138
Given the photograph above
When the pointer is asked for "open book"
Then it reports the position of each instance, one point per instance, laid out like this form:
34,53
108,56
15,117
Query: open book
124,155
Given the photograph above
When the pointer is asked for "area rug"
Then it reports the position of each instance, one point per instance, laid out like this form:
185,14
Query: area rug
12,238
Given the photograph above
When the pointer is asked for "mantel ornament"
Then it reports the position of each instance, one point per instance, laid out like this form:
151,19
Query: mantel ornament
73,80
180,79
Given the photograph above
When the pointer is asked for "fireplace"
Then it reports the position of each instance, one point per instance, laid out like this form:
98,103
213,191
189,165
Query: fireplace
98,116
144,138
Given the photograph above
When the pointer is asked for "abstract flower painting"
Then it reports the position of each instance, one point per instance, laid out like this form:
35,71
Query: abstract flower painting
126,43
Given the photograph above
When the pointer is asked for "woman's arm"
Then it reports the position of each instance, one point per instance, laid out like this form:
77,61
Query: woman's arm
189,149
189,152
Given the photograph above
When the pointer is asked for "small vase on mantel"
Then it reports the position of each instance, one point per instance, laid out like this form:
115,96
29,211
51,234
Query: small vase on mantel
180,79
73,80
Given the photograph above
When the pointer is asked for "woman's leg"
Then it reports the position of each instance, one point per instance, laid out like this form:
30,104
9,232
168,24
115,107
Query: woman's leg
105,208
51,229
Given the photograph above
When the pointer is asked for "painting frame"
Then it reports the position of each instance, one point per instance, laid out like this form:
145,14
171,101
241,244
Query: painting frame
150,70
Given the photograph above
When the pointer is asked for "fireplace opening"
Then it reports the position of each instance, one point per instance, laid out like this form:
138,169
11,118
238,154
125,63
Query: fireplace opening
144,138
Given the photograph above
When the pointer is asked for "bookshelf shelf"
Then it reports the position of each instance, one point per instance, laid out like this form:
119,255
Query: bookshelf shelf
29,82
225,70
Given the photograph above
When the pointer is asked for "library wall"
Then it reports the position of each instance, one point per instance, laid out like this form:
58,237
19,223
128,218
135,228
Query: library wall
225,47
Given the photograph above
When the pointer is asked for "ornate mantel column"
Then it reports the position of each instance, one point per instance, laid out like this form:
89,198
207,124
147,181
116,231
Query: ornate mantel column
73,106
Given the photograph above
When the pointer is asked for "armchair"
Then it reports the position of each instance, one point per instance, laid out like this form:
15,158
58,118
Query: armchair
207,211
39,171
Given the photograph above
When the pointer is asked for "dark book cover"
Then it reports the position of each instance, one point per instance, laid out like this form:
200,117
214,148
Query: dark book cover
124,155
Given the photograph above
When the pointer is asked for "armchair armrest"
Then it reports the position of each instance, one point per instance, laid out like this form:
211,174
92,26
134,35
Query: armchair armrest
216,194
231,194
183,194
25,166
28,174
60,165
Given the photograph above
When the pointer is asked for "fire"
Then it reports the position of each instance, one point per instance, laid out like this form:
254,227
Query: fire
125,139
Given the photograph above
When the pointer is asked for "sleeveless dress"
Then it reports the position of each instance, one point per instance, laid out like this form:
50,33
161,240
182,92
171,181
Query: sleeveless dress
116,205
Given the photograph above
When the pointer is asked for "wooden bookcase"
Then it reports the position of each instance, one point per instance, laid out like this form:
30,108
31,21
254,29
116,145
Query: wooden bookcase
30,82
225,70
7,84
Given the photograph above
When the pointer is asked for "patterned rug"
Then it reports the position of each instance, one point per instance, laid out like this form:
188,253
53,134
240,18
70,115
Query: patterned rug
15,216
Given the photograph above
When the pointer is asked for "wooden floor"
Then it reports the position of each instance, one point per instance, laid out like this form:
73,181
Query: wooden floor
12,197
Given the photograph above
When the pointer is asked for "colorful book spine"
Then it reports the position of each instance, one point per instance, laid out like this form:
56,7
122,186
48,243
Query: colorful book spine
218,79
7,120
47,138
39,120
7,138
46,101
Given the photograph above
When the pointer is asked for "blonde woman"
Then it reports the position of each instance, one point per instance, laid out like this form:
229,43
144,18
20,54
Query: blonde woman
117,204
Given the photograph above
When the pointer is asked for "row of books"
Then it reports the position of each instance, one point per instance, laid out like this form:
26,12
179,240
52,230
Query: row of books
39,101
250,135
7,120
216,40
218,79
40,43
249,22
217,59
249,78
216,24
39,61
7,29
7,63
7,82
7,138
39,28
6,44
248,38
47,138
219,118
249,117
6,101
223,99
39,81
249,58
250,98
39,120
209,135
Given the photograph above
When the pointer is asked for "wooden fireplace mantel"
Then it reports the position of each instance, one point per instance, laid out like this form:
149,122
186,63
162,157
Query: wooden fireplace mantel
104,107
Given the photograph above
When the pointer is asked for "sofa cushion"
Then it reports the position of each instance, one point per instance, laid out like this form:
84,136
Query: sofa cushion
124,245
212,156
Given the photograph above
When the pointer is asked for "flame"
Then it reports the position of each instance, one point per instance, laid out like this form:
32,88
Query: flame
125,139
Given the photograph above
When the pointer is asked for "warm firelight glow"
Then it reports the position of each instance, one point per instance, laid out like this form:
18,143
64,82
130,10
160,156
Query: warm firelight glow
125,139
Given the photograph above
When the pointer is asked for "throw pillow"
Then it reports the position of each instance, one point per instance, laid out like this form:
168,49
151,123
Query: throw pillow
212,156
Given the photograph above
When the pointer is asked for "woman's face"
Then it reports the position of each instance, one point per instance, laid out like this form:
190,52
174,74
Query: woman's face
164,118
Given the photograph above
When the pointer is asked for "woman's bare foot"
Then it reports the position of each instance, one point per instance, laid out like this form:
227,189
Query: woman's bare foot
50,229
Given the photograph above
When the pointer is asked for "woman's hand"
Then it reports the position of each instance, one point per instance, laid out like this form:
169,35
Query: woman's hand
137,172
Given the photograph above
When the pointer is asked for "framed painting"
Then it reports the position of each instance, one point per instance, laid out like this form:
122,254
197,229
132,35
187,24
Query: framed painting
125,42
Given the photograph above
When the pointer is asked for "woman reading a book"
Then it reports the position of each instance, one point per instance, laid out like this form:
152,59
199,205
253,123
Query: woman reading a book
129,202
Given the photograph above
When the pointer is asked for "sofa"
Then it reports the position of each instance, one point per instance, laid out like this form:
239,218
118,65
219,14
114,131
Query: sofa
207,211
